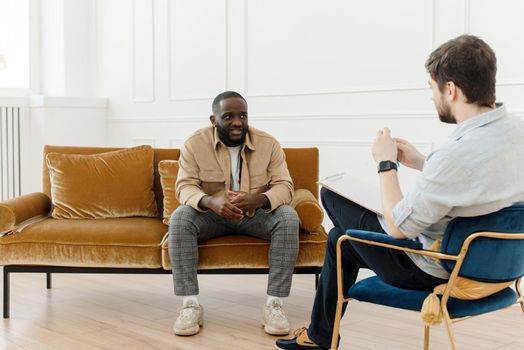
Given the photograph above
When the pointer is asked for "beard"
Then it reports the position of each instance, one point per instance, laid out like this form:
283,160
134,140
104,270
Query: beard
225,137
444,113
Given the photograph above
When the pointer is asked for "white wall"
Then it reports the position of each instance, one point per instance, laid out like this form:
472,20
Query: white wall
63,121
62,61
46,120
66,41
315,73
325,74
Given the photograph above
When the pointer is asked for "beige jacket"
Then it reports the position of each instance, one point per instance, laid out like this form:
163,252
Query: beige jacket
205,168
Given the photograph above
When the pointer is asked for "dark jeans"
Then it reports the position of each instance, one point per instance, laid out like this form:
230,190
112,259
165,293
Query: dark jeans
392,266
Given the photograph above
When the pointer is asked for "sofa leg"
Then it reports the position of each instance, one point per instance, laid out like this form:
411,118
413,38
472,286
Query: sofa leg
48,280
6,292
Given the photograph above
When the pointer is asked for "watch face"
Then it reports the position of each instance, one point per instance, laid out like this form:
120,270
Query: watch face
386,165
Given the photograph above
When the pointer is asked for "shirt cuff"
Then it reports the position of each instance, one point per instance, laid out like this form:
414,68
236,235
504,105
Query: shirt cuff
194,200
273,200
400,214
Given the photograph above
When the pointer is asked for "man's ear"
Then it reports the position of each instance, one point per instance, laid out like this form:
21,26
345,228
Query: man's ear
212,119
452,91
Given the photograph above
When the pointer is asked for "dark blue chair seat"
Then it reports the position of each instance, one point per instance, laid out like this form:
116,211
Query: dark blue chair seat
374,290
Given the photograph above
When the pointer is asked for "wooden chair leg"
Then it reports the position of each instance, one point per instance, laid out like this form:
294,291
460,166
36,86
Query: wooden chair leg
426,337
449,328
336,325
519,293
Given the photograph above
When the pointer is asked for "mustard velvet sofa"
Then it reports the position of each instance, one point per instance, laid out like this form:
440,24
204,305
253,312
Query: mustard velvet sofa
36,242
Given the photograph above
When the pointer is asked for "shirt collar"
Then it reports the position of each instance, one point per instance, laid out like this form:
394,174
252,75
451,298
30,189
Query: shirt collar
247,141
478,121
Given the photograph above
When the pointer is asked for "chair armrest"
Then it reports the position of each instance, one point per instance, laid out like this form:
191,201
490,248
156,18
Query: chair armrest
387,241
308,209
384,238
17,210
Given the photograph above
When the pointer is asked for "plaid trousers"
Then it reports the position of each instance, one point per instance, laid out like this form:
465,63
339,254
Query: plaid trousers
188,227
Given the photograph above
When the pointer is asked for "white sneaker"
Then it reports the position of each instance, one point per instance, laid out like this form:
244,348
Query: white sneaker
274,320
190,319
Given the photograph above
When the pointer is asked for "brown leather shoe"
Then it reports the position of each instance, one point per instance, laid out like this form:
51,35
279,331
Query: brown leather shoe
300,342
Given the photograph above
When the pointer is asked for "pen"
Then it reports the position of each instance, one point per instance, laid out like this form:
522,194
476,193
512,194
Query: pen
334,175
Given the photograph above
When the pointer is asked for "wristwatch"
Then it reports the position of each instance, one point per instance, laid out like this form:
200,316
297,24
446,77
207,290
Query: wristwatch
386,165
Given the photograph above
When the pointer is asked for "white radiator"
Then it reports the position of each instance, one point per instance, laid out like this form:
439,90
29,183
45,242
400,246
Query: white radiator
10,169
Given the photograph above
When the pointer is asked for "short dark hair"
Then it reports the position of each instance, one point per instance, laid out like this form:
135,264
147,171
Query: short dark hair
468,62
223,96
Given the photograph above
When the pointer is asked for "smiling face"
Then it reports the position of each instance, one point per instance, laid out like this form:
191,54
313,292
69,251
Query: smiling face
443,109
230,119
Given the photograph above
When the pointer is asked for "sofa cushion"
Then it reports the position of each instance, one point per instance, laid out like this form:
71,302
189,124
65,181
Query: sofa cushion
106,185
123,242
238,251
168,170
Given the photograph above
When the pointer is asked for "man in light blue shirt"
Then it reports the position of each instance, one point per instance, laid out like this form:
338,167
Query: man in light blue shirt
478,171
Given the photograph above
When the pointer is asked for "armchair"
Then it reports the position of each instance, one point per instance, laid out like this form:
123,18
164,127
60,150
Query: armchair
488,248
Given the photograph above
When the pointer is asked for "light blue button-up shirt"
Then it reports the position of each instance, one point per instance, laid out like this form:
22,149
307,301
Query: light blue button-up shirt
480,170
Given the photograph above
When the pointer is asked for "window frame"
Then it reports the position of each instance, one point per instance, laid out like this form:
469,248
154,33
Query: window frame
34,54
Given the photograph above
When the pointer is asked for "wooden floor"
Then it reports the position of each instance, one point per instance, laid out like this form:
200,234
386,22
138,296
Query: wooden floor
137,312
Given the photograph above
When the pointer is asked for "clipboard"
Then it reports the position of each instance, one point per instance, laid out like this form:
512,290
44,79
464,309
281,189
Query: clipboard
361,192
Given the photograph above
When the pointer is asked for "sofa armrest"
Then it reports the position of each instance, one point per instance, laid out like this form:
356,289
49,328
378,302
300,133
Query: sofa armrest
17,210
308,209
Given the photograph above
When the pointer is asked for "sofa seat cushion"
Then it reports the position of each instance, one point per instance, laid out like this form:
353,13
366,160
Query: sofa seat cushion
122,242
304,202
238,251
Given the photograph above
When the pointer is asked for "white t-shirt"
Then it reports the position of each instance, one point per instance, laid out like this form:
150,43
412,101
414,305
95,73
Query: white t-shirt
234,153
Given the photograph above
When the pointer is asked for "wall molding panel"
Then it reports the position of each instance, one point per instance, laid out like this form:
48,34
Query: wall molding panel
281,118
296,117
143,51
249,92
310,74
511,83
342,117
350,143
375,89
467,16
433,24
141,120
175,143
173,27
